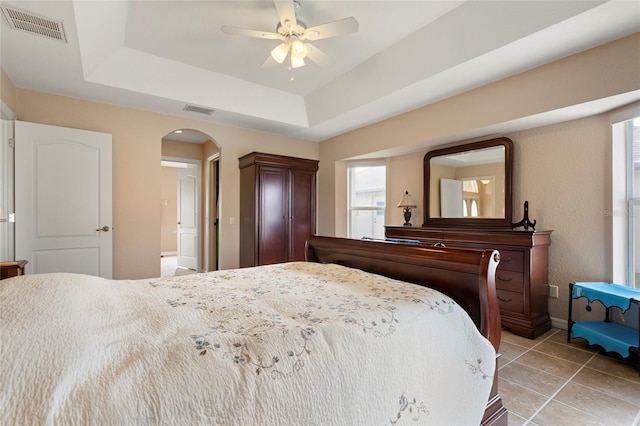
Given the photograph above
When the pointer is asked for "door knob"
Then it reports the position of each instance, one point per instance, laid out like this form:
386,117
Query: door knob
103,229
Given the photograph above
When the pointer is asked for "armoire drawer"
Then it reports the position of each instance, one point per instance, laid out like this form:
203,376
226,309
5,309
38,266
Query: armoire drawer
511,260
510,280
510,301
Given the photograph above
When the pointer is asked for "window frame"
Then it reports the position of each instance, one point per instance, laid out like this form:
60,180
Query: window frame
364,163
632,204
621,211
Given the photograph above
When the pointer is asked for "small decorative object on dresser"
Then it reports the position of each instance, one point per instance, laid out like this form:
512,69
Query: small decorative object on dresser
408,204
525,220
12,268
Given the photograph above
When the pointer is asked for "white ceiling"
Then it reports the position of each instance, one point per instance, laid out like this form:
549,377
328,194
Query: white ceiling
162,55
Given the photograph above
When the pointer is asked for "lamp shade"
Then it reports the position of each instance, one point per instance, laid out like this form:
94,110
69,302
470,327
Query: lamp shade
407,201
280,52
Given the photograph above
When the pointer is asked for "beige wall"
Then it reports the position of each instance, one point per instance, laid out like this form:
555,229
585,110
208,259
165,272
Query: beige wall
7,91
575,80
137,139
563,170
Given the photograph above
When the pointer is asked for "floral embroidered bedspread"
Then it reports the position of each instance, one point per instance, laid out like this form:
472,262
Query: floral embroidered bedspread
289,344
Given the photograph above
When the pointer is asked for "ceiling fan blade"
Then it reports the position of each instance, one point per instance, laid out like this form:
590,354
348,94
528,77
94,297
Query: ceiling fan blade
318,56
332,29
249,33
286,10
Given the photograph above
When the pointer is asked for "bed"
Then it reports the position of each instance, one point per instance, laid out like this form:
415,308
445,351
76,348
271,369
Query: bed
344,338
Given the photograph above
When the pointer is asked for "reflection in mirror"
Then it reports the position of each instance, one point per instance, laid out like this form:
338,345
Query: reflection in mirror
469,185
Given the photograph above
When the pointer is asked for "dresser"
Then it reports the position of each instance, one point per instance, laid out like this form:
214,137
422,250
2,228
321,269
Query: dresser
522,274
277,208
12,268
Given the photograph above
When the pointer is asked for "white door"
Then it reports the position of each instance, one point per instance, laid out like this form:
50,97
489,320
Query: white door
6,190
451,199
63,199
188,217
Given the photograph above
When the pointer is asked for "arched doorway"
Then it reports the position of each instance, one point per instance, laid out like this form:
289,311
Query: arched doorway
189,203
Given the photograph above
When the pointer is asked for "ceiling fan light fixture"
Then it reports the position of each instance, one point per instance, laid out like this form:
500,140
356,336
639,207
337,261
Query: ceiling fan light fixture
299,48
293,32
297,60
279,54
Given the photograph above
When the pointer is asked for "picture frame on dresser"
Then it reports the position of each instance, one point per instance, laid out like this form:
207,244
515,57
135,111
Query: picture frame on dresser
522,277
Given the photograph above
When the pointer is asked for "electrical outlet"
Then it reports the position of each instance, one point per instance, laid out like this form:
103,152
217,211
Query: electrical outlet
553,291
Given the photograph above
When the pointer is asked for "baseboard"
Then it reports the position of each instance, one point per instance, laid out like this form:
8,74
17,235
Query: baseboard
168,253
560,323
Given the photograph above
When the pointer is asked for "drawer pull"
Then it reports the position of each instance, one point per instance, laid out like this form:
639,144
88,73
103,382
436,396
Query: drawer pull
506,280
504,300
506,259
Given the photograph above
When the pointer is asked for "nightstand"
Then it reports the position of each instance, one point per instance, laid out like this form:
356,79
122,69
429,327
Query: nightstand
12,268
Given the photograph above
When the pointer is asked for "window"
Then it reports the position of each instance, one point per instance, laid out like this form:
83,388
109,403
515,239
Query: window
625,213
367,199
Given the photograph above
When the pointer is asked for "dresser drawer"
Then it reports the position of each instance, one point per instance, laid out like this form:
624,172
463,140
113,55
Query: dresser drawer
511,260
510,301
510,280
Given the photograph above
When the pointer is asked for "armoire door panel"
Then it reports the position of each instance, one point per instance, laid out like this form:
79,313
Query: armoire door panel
303,208
273,220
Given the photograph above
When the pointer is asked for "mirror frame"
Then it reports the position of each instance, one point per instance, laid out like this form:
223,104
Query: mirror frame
440,222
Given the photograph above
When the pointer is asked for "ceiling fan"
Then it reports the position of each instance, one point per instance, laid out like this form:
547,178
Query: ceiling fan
294,35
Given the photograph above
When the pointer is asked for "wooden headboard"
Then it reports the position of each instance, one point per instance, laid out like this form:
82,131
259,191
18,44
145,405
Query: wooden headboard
467,276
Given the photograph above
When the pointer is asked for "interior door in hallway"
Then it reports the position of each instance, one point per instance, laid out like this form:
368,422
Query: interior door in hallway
63,199
188,246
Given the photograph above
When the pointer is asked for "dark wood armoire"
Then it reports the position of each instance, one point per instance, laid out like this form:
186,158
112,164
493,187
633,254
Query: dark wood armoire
277,208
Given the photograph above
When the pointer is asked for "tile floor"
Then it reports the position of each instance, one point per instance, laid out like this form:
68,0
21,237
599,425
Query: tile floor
550,382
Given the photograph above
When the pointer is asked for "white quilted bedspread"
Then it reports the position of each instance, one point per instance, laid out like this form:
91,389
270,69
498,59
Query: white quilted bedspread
290,344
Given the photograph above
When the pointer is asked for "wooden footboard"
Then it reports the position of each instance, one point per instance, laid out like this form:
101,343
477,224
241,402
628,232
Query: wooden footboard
467,276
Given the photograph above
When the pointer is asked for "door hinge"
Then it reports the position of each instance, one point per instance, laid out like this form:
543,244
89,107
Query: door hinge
12,143
12,217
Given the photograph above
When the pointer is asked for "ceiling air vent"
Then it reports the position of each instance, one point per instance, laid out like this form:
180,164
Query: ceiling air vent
199,110
34,24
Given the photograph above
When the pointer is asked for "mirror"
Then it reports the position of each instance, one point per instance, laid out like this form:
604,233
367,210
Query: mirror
469,185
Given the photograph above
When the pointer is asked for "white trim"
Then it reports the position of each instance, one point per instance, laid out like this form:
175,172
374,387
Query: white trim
562,324
367,163
168,253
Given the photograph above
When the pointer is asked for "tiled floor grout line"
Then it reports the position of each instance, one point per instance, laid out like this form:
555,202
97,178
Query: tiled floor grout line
584,365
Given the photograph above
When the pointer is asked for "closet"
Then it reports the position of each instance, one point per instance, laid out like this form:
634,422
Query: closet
277,208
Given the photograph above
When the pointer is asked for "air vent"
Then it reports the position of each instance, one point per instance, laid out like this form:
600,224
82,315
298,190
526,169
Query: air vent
199,110
34,24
